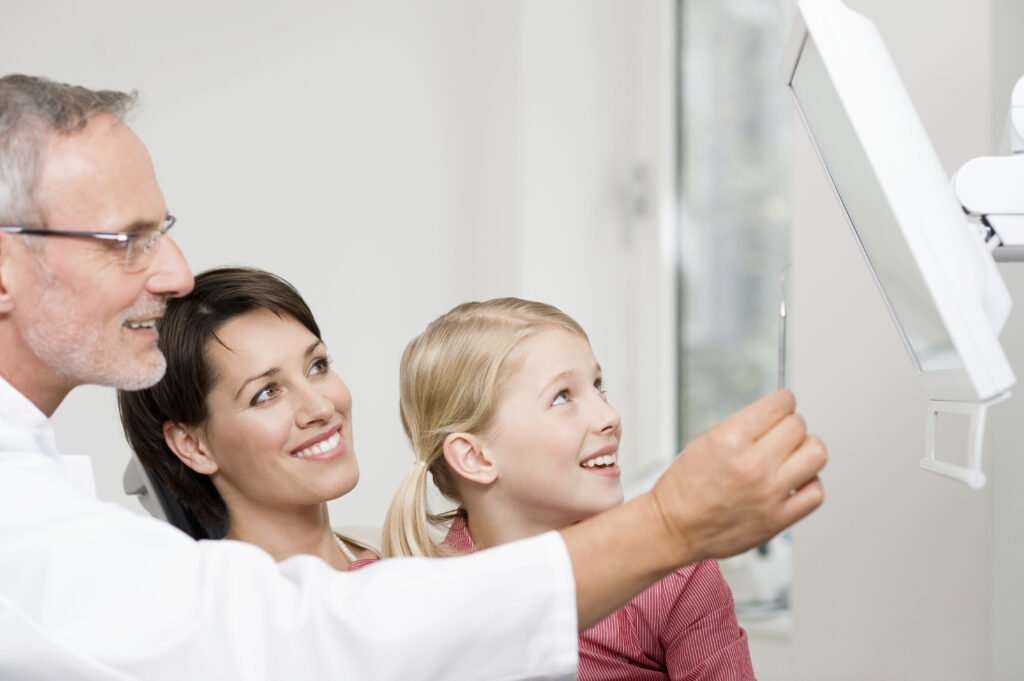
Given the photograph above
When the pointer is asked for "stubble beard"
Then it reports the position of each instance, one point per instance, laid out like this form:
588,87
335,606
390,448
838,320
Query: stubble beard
76,349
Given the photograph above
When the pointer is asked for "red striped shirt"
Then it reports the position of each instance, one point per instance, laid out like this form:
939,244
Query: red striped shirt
683,627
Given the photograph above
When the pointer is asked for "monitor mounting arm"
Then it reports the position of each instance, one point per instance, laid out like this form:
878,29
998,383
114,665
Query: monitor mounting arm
991,188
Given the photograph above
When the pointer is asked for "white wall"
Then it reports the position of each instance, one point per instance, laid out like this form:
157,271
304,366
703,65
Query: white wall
1006,434
902,574
596,106
391,159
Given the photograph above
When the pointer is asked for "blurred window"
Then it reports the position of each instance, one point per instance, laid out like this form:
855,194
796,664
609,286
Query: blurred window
735,179
734,174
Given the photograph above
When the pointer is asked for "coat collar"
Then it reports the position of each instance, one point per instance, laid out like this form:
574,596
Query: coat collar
23,428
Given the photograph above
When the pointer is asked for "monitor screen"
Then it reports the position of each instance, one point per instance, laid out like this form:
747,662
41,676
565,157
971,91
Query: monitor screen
940,284
871,217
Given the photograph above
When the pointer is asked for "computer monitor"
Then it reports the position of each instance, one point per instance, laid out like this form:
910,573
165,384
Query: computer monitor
938,279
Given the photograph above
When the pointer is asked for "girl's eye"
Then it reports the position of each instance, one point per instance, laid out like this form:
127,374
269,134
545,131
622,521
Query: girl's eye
321,365
265,394
561,398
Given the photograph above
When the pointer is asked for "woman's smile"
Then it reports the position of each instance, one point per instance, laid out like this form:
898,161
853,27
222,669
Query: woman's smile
329,446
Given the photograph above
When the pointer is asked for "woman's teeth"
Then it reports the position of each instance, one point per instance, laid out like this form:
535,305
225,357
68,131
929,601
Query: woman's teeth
321,447
606,460
147,324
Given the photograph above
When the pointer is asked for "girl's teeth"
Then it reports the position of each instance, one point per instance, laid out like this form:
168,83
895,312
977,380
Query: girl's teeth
606,460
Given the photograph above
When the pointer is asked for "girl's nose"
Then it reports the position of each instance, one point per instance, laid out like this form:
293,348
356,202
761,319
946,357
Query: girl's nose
608,419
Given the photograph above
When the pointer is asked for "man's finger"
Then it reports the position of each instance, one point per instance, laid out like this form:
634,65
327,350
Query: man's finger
802,502
756,419
782,439
803,465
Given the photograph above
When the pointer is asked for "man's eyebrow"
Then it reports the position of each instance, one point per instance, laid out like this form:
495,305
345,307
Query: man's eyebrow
142,226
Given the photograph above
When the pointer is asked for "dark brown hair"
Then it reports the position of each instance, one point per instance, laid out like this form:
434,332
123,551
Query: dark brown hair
188,327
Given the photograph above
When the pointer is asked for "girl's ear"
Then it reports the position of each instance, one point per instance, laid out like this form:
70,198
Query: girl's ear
189,446
465,455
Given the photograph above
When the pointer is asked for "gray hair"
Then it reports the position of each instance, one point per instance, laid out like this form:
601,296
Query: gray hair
31,110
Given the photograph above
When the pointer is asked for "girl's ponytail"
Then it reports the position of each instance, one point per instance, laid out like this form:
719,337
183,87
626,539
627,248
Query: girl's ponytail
407,524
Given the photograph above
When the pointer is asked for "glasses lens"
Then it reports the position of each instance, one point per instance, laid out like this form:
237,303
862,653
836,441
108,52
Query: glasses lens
141,250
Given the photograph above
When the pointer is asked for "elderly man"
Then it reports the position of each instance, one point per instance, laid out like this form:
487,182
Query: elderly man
91,591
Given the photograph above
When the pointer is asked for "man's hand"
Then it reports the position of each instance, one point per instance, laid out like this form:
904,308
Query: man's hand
743,481
730,490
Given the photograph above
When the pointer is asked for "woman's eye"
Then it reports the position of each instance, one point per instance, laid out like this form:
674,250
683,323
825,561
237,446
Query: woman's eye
264,395
599,386
321,365
561,398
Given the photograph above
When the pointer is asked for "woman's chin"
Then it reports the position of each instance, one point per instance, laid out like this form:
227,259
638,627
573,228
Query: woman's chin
342,488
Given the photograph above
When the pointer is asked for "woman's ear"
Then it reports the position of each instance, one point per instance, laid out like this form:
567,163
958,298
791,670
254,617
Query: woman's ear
465,455
188,446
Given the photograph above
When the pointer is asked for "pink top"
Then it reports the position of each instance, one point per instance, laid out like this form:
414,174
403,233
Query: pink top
361,563
683,627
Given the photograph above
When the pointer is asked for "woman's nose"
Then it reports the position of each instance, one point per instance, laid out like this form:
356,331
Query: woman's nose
314,406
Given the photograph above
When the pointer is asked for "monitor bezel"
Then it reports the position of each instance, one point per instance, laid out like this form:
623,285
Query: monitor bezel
955,267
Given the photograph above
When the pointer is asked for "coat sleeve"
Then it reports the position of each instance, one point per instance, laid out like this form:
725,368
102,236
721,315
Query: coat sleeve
114,595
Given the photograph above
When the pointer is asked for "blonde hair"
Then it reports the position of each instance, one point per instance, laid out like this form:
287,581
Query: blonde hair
450,378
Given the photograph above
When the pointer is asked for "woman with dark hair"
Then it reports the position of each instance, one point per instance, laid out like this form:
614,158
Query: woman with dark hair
249,396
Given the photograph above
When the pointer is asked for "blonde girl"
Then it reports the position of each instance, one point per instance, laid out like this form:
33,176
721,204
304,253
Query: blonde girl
505,408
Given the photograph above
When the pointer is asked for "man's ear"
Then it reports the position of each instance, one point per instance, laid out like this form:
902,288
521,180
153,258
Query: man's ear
465,455
189,446
6,262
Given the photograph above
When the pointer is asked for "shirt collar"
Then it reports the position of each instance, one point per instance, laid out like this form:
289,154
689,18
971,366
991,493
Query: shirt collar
22,426
459,539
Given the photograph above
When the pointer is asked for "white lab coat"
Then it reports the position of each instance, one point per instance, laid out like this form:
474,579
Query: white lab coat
89,590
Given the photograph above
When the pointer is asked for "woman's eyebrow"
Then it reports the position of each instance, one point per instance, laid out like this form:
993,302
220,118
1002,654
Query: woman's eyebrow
266,374
274,370
311,348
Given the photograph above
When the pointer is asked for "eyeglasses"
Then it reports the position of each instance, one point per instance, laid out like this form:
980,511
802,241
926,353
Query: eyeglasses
138,247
